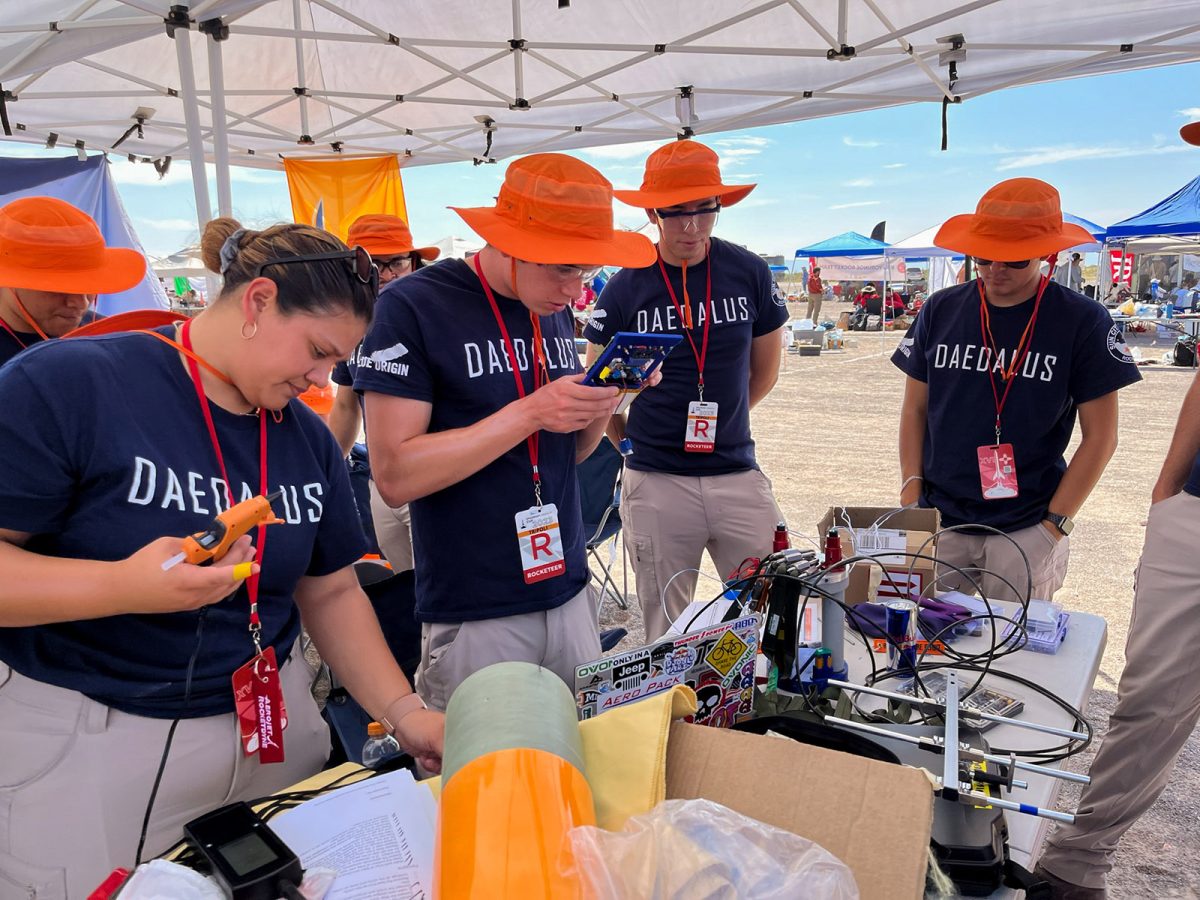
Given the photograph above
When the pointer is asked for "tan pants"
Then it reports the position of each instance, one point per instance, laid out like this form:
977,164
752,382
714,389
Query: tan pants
1047,562
670,520
1158,699
557,639
75,777
814,307
393,532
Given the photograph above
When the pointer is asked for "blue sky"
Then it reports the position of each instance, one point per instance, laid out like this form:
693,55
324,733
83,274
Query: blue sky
1110,144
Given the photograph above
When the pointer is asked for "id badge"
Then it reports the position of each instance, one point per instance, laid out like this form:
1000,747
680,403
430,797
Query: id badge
997,471
262,715
540,540
701,434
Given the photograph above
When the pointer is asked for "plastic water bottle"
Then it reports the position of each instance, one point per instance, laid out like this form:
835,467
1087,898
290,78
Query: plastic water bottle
379,746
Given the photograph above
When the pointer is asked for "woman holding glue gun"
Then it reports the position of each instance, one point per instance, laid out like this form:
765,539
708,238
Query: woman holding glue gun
118,718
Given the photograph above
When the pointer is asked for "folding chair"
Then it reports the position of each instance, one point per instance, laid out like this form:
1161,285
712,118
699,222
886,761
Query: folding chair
600,503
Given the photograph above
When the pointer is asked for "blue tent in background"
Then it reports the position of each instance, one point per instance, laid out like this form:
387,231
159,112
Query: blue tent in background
851,243
89,186
1096,231
1177,214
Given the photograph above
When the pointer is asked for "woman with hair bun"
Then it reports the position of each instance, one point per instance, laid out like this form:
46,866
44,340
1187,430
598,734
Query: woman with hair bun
118,671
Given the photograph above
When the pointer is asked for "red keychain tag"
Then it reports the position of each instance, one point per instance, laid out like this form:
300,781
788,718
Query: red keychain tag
997,471
262,715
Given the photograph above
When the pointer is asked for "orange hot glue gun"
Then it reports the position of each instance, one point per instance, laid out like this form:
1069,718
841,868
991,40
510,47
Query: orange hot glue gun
206,547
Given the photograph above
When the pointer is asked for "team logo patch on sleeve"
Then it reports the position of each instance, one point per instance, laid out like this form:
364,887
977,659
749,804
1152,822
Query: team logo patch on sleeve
386,360
597,317
1117,347
906,345
778,295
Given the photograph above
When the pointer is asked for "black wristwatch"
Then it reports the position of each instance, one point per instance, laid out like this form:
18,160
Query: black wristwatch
1064,524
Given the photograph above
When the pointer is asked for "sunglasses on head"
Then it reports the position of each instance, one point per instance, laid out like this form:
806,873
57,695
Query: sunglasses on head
1019,264
357,259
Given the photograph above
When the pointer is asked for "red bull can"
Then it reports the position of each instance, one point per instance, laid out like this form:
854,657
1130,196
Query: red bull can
901,628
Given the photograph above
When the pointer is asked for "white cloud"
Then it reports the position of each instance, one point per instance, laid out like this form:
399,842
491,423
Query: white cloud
1045,156
755,201
743,140
858,183
854,142
741,151
895,165
854,205
142,174
1192,112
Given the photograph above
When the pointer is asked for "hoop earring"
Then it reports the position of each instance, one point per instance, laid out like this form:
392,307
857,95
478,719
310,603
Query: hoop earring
253,330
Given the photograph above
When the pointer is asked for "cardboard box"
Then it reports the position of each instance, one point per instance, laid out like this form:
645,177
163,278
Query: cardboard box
918,526
873,816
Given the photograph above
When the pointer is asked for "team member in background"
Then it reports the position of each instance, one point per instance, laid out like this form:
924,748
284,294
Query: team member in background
111,663
390,244
815,295
998,368
476,415
693,483
1158,699
52,262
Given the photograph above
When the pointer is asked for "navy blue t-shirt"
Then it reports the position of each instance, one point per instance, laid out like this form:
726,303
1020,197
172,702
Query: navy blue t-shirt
1077,354
98,474
14,343
435,339
746,304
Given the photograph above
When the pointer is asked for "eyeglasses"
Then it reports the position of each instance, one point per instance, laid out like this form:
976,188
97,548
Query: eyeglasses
692,218
570,273
396,264
359,264
1019,264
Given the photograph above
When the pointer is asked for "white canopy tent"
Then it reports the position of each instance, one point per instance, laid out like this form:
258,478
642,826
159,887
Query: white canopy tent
247,81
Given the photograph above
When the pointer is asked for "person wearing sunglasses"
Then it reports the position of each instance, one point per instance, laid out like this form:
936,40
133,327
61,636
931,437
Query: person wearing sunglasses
119,663
388,239
53,262
476,418
692,483
999,370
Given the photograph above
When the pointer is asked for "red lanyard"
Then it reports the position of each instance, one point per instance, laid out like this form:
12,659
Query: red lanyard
206,410
1021,351
540,375
685,312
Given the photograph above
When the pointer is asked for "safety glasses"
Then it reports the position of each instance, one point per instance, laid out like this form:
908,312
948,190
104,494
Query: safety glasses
397,264
570,273
1019,264
690,219
358,261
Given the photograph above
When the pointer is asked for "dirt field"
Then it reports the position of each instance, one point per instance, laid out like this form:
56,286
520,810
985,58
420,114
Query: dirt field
827,435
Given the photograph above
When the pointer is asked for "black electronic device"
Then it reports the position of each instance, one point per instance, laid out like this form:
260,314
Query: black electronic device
248,860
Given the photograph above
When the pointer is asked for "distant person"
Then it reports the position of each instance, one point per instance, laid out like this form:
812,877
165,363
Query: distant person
998,370
815,295
389,241
53,262
1070,273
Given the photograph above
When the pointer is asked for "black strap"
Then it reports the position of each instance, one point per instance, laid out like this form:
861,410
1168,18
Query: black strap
4,112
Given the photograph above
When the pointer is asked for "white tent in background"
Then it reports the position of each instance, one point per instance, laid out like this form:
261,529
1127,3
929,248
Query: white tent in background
457,248
246,81
185,263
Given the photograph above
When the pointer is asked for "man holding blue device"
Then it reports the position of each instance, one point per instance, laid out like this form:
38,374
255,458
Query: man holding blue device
476,414
693,483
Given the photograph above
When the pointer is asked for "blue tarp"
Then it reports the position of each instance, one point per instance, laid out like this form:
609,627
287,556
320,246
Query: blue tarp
1096,231
1178,214
88,186
849,244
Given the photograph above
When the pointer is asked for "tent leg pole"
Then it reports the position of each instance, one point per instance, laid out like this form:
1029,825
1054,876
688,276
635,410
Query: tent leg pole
220,137
191,117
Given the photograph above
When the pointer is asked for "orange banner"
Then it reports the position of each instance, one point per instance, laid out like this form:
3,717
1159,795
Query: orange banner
331,194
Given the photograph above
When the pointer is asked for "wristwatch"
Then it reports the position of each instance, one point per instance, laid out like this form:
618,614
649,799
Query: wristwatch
1064,524
399,709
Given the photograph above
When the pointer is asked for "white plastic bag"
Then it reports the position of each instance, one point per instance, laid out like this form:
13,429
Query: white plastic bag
685,849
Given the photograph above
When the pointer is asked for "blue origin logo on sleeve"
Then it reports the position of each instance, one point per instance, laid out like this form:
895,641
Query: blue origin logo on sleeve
906,345
385,360
596,319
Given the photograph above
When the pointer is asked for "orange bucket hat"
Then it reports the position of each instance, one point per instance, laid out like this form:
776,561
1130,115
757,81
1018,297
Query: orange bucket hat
1016,219
554,208
680,172
383,235
1191,133
46,244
